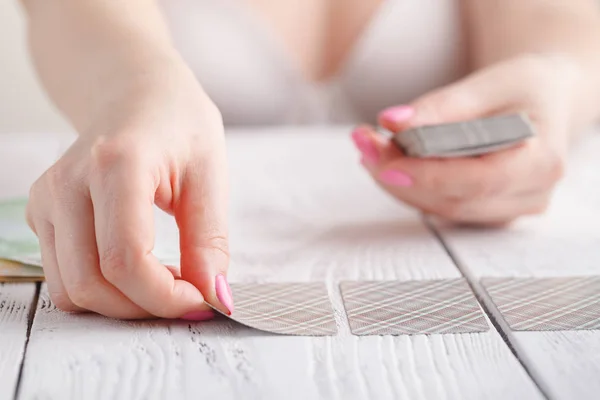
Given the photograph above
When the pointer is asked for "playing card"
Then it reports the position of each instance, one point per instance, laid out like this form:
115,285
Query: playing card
466,138
547,304
411,307
301,308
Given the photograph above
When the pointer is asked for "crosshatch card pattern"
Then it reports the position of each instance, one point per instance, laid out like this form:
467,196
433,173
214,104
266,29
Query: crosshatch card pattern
412,307
301,308
547,304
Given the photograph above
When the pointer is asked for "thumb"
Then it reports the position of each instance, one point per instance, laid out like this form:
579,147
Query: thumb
201,214
481,94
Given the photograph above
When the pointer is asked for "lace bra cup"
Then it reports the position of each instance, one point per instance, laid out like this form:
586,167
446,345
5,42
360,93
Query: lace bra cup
408,48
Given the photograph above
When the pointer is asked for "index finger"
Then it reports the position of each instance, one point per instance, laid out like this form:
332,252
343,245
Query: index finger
124,224
201,214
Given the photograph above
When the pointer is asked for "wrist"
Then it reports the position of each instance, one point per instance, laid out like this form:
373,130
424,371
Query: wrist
139,92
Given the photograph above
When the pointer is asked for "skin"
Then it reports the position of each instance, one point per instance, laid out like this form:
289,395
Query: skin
149,134
540,57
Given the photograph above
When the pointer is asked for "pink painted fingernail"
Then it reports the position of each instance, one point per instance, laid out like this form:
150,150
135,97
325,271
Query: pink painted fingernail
199,315
224,292
369,152
395,178
397,114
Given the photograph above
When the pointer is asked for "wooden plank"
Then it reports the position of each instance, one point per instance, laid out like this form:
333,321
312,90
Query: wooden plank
15,303
565,242
302,209
16,298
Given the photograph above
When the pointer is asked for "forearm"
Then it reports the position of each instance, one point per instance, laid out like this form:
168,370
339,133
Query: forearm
87,52
500,29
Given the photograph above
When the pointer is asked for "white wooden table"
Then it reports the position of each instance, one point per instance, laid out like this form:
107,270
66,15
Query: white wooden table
302,209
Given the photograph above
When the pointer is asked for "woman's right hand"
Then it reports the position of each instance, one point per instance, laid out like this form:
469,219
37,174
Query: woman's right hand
156,140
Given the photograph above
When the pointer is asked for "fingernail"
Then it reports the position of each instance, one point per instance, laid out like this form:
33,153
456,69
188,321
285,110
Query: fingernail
397,114
199,315
369,152
395,178
224,292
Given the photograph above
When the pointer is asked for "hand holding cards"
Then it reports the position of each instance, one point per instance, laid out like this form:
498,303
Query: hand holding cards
466,138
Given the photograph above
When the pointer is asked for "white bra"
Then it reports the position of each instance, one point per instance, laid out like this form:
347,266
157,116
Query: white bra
409,47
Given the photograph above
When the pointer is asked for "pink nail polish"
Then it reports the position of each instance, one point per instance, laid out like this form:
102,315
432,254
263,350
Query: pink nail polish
199,315
398,114
395,178
224,292
369,152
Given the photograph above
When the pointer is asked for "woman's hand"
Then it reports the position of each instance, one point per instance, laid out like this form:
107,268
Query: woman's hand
157,140
495,188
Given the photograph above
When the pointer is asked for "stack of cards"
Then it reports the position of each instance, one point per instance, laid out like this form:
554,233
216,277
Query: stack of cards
11,271
467,138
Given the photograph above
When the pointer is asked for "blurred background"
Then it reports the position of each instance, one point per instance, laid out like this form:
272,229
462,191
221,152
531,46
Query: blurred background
23,104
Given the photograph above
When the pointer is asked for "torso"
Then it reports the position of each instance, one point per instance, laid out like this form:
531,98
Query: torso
316,35
316,61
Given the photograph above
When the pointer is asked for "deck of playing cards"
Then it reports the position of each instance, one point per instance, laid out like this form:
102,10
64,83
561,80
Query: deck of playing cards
466,138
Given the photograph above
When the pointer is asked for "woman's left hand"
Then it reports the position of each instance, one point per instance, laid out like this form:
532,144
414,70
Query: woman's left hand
495,188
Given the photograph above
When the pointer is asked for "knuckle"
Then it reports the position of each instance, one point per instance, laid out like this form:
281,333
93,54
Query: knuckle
113,265
62,301
31,210
117,264
57,178
35,189
217,243
82,294
107,153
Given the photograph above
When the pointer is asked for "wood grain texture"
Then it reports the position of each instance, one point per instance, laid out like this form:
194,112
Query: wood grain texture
302,210
30,155
564,242
15,304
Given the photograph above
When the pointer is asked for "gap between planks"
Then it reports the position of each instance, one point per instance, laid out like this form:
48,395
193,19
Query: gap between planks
494,316
30,317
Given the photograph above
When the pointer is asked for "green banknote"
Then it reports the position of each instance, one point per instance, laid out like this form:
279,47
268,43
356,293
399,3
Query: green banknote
20,257
19,248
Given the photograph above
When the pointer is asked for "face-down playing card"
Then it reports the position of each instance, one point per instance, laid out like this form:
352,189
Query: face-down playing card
301,308
547,304
411,307
465,138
